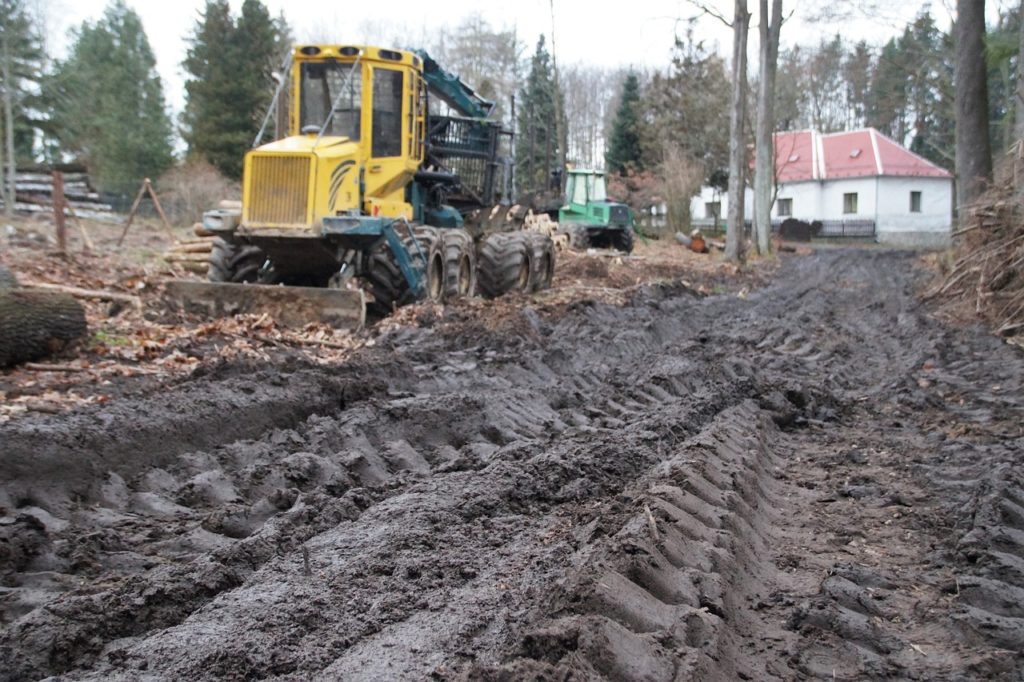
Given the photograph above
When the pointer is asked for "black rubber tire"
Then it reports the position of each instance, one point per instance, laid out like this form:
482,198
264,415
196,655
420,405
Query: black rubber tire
430,247
579,238
504,264
237,263
459,264
623,240
386,282
543,261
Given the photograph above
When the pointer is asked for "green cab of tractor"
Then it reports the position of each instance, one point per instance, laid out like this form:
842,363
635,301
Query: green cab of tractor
590,218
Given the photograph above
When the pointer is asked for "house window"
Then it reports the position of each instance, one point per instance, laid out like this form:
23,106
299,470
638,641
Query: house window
915,202
785,208
713,209
850,202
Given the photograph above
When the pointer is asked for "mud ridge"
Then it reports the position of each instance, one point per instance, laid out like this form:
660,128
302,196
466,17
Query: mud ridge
813,481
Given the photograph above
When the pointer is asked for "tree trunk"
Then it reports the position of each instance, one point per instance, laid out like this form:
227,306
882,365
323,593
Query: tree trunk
560,131
3,185
764,173
737,147
973,150
9,188
1020,75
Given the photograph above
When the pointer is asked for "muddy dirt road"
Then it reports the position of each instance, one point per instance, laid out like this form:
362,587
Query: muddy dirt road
815,481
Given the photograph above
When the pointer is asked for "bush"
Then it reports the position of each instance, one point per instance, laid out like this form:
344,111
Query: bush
193,187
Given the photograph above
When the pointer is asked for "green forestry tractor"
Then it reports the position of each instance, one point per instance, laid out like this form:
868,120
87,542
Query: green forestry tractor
590,218
389,186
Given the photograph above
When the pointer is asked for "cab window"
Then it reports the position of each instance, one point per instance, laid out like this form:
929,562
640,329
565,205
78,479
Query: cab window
387,112
579,190
327,84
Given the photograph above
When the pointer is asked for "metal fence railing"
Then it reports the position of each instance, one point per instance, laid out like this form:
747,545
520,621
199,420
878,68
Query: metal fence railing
829,229
856,229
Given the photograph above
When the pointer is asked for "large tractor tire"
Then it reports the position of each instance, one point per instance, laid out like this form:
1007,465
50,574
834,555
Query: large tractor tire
505,263
579,238
386,282
237,263
459,264
542,261
623,240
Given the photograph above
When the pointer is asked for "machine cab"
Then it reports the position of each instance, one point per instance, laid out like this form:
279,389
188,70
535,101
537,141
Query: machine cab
583,187
356,124
587,201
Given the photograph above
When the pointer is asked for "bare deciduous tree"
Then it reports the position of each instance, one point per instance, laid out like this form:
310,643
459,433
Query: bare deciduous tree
973,149
737,147
681,178
770,28
591,99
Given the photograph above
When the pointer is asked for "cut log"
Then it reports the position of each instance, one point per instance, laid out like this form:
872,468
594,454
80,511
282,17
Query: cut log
97,294
35,324
204,246
201,268
175,257
201,231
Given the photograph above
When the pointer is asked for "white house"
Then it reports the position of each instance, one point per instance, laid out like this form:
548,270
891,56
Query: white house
859,182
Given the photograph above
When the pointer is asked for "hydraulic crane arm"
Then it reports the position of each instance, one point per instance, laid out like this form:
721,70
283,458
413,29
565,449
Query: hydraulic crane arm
452,91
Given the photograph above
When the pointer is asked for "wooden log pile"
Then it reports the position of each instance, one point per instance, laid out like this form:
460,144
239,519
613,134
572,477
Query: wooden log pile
987,277
192,255
34,192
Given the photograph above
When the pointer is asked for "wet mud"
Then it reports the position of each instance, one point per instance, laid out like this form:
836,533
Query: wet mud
813,481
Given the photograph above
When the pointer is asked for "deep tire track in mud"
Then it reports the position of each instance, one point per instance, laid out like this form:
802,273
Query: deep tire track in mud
817,481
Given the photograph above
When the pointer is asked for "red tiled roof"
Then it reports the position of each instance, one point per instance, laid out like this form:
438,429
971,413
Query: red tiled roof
794,156
809,155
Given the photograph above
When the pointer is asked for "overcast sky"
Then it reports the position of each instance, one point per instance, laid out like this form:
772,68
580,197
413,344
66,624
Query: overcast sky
635,33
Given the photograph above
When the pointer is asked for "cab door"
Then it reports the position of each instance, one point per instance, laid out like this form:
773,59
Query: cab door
393,123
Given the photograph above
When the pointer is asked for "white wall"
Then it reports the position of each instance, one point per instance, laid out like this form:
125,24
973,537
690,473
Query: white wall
824,200
886,200
895,220
698,204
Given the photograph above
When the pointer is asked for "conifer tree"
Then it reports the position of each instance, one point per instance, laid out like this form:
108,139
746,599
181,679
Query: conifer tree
230,62
107,103
537,144
624,147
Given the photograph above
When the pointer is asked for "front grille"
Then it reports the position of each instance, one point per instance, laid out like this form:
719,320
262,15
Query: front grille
278,190
620,215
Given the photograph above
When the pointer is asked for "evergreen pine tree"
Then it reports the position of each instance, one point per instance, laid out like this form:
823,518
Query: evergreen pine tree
230,62
537,142
107,102
210,112
624,147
